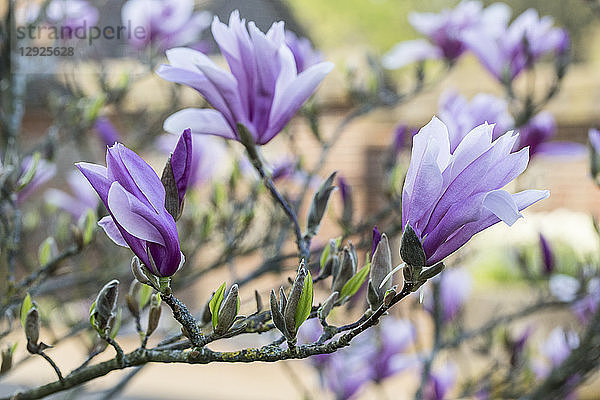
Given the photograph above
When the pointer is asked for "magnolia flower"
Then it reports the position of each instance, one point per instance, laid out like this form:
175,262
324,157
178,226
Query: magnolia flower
44,171
450,196
82,199
387,357
135,198
460,115
506,52
262,91
455,288
538,133
304,53
559,345
165,23
445,32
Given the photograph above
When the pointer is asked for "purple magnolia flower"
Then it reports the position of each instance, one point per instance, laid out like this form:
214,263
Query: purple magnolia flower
82,199
386,357
400,138
440,382
445,32
135,199
455,288
263,91
304,53
450,196
345,374
537,135
547,255
44,171
106,131
559,345
460,115
163,23
72,14
506,52
207,156
181,161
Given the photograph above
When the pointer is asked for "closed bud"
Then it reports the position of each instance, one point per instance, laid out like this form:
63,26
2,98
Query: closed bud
32,330
381,266
346,271
228,312
411,249
132,304
289,314
319,205
105,305
7,360
276,313
171,194
154,315
332,260
77,236
327,306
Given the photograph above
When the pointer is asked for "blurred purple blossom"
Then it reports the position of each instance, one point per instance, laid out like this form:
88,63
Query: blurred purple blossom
401,138
445,32
106,131
44,171
72,14
587,307
304,53
208,154
559,345
450,196
508,51
440,382
82,199
539,132
388,346
547,255
262,91
455,288
460,115
135,198
165,23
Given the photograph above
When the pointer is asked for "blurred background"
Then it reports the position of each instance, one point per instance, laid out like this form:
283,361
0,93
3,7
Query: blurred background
503,266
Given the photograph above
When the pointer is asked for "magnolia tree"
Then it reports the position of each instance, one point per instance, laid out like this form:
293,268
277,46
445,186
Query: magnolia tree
446,182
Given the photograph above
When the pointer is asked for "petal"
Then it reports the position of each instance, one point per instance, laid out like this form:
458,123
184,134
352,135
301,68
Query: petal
459,238
408,52
503,206
200,121
181,162
110,228
289,96
133,215
97,175
135,175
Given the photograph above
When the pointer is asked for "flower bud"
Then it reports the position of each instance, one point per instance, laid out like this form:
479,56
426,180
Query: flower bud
346,271
154,315
32,330
376,239
329,259
105,305
381,266
319,205
289,313
327,306
229,310
132,304
142,274
411,249
7,360
206,315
